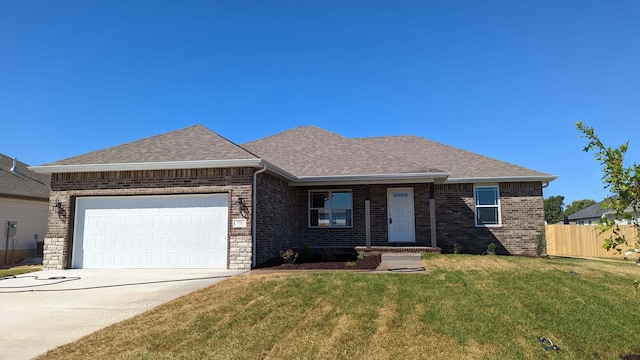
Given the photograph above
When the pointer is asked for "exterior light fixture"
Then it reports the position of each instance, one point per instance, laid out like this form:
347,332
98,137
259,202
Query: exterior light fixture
57,207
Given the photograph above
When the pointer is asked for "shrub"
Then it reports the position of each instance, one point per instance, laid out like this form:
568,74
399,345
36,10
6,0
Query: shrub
304,251
350,263
541,243
491,249
289,256
457,248
360,256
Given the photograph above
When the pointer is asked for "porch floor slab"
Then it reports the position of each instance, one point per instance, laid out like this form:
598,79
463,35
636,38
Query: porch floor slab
398,249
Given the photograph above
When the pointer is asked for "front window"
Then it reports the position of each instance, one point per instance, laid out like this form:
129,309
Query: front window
487,200
330,208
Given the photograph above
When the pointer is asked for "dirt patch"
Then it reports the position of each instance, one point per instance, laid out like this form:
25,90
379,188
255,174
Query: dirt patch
342,262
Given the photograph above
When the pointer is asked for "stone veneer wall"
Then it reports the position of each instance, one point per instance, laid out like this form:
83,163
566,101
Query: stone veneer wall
65,187
522,214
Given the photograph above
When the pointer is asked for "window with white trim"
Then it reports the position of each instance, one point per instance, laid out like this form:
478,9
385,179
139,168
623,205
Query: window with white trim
330,208
487,205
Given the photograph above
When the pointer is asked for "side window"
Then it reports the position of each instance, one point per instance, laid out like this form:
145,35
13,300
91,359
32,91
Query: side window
487,205
330,209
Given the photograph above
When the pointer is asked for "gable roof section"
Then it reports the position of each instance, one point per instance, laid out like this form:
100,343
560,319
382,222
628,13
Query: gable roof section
191,147
23,184
309,152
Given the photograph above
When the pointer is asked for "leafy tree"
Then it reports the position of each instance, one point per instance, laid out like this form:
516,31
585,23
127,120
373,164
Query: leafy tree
578,205
623,184
553,209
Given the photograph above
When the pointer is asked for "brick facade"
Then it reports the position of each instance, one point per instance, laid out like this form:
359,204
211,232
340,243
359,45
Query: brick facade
522,214
282,220
355,236
65,187
521,210
278,217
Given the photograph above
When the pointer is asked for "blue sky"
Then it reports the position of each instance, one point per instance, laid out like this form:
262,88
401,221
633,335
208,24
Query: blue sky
506,79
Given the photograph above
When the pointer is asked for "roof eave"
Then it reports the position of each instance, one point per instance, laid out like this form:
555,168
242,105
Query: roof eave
369,179
165,165
24,197
279,171
498,179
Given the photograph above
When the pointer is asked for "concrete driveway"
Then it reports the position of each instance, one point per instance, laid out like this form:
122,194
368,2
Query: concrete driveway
61,306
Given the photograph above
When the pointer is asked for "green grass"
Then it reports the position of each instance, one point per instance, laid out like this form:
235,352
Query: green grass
464,307
19,270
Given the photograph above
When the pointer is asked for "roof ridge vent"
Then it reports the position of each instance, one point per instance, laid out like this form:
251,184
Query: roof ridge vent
14,168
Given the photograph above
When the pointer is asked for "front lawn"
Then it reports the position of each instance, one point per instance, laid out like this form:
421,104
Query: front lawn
464,307
19,270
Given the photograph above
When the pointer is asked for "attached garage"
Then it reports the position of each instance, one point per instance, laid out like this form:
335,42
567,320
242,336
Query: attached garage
159,231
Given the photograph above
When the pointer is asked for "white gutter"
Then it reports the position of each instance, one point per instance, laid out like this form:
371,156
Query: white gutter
254,206
287,175
501,179
293,180
164,165
369,179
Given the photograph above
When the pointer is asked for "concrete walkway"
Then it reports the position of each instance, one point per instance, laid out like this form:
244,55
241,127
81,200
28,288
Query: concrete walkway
401,263
45,309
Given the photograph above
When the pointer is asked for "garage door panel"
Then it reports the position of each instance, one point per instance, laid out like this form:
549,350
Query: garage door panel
151,231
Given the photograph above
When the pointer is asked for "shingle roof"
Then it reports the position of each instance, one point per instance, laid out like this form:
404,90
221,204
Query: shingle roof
25,183
189,144
460,164
590,212
305,152
311,151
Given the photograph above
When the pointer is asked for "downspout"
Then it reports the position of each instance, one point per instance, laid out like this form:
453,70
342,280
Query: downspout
254,207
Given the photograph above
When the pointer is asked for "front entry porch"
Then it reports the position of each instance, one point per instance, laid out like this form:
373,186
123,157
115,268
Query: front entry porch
397,249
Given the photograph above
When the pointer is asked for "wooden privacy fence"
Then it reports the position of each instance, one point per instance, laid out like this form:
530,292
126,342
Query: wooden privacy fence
584,240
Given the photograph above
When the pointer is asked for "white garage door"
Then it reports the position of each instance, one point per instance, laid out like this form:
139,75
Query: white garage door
174,231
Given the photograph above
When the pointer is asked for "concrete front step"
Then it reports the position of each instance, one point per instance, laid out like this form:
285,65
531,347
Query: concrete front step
401,257
401,262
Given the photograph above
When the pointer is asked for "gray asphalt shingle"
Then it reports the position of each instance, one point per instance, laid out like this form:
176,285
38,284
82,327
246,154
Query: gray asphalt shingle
309,151
458,163
25,183
590,212
189,144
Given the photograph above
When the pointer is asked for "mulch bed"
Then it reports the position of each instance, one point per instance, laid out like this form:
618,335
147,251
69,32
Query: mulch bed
370,262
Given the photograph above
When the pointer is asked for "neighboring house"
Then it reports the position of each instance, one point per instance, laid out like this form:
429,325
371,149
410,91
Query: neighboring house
24,199
591,215
191,198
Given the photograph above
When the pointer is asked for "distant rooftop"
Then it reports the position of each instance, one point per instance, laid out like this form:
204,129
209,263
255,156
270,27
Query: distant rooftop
22,183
